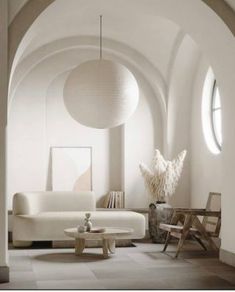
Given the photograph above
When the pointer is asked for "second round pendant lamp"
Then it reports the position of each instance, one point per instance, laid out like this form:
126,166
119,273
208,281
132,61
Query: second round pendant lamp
101,93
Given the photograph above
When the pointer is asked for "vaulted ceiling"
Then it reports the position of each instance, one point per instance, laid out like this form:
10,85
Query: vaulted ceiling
135,32
132,23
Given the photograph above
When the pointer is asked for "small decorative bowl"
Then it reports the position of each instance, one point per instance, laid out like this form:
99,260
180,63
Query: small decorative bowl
81,229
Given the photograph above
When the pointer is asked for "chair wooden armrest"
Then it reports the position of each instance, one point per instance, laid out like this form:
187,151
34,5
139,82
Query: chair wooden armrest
213,214
170,227
198,212
189,209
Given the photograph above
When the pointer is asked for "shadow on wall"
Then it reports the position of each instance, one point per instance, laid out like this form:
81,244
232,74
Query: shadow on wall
115,158
49,172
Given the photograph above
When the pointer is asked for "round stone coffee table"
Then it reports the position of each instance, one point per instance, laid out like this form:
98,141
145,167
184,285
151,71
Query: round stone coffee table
107,237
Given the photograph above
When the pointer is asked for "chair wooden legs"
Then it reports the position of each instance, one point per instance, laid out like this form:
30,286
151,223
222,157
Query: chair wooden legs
187,224
201,229
199,241
175,219
168,237
180,244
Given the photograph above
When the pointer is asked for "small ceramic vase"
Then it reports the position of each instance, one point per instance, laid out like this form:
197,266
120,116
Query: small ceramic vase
88,223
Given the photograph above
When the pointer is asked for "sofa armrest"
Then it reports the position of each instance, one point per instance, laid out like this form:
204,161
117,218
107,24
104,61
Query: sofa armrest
23,205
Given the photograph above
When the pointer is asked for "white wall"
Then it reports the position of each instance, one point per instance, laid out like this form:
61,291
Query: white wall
206,172
26,138
142,135
62,130
179,114
39,120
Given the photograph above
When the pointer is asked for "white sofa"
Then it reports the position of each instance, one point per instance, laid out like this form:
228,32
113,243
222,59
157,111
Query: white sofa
43,216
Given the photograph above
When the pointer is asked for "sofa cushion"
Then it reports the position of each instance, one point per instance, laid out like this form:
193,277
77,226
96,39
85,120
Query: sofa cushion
51,225
29,203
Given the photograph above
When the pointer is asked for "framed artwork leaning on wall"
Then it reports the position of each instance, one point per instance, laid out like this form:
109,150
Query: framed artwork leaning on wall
71,168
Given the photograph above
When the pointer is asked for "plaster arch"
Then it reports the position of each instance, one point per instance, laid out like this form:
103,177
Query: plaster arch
24,19
169,16
111,47
32,9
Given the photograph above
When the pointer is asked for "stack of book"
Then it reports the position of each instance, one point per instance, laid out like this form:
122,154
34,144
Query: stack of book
115,199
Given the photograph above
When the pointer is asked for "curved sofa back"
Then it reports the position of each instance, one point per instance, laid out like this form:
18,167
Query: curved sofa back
36,202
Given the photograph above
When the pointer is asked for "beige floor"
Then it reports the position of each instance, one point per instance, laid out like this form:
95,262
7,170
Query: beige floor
140,267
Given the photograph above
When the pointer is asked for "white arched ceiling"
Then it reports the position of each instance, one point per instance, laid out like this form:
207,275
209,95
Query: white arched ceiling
80,19
73,45
148,46
148,30
154,38
145,26
65,59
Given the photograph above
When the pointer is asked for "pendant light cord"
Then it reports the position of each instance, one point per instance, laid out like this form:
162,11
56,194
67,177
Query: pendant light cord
100,37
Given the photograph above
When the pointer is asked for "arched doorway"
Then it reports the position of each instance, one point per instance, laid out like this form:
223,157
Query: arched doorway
222,60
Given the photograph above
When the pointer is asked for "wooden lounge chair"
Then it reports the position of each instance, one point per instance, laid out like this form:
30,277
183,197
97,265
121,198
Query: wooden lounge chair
185,222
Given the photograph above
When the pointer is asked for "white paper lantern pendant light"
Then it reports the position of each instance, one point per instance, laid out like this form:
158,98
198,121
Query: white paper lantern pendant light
101,93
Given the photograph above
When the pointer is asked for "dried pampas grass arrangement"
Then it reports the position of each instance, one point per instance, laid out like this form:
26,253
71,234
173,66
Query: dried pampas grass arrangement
163,180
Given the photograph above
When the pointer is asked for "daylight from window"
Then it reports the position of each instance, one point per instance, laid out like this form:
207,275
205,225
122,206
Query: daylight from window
211,114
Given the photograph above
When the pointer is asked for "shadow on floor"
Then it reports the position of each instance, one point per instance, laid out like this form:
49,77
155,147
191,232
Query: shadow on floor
70,257
49,244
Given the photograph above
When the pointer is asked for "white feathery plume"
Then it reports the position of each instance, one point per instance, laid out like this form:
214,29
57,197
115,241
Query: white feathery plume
163,180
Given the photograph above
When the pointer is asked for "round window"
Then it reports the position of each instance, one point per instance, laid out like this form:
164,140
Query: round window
216,121
211,114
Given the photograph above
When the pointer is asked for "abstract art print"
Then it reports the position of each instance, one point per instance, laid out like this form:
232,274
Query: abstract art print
72,169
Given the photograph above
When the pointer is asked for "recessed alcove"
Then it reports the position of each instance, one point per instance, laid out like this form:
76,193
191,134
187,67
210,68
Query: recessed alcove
39,120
